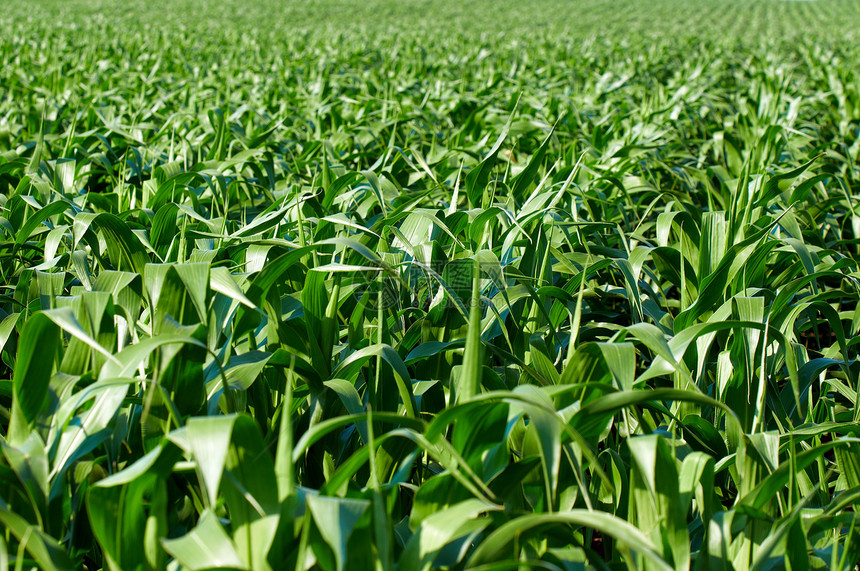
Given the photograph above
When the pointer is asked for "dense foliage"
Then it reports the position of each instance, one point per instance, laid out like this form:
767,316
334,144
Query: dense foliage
410,284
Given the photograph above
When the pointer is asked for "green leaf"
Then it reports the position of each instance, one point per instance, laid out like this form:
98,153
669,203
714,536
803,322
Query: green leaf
45,550
502,539
522,181
38,345
336,518
124,249
476,180
469,381
222,282
659,504
209,440
130,507
38,218
207,546
438,529
195,277
30,463
548,428
349,368
251,494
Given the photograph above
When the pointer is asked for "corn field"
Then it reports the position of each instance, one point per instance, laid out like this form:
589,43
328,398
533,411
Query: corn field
428,284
